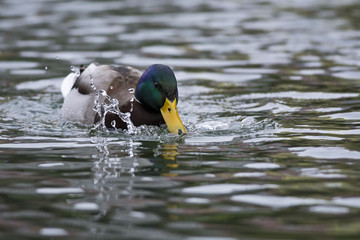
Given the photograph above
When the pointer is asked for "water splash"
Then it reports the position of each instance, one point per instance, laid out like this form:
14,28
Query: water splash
132,91
104,104
75,70
131,104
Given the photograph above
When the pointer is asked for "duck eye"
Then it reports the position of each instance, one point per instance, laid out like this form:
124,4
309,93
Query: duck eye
156,84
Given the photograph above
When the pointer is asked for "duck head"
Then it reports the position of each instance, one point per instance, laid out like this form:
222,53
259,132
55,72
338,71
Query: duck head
157,91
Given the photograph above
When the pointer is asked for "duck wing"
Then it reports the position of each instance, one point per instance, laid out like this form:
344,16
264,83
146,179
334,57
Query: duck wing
116,81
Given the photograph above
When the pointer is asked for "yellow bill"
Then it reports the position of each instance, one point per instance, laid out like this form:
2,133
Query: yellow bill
171,117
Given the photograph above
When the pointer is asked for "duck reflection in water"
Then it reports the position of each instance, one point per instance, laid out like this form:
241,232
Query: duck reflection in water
126,158
169,152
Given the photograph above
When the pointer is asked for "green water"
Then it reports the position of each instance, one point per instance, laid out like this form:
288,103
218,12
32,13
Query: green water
269,94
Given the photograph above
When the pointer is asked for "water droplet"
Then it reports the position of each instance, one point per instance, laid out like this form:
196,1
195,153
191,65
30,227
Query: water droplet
46,67
114,101
131,90
132,104
103,92
92,84
113,123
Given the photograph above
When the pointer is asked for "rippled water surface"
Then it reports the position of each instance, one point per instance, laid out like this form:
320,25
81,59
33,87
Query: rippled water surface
269,94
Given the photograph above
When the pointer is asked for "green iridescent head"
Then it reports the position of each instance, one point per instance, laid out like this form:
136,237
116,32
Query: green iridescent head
157,91
157,83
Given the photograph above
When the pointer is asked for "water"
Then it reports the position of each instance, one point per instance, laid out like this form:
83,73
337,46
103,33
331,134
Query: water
269,94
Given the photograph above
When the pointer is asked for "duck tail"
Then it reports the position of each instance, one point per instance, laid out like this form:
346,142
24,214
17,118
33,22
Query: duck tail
68,83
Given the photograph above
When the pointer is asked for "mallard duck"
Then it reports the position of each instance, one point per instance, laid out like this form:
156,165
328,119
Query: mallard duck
153,101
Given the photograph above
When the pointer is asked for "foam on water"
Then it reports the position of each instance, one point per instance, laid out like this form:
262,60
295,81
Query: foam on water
212,126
